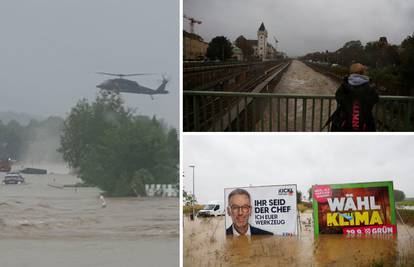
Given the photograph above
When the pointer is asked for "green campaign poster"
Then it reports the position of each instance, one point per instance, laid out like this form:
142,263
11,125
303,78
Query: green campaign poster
355,209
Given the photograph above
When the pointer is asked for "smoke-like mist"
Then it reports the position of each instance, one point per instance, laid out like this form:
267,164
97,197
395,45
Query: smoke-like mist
42,152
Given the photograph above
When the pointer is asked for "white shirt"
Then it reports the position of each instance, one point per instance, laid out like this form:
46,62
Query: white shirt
235,233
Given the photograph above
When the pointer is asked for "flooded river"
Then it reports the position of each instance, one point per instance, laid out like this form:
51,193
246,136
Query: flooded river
41,225
300,79
205,244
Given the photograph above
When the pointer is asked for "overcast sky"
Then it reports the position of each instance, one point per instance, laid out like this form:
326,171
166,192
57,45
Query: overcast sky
303,26
236,161
50,51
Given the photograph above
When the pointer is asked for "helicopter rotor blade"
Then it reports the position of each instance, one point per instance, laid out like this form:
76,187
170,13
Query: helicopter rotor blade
111,74
139,74
125,75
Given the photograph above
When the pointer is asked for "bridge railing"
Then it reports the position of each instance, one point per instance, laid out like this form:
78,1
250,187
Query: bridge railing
234,111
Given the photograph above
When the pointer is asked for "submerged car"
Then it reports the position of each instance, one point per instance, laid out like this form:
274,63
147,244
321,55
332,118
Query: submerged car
13,178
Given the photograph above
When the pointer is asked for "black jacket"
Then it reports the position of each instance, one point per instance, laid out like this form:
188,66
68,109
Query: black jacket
346,95
253,231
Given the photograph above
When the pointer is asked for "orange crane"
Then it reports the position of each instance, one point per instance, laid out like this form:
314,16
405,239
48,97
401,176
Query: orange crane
192,22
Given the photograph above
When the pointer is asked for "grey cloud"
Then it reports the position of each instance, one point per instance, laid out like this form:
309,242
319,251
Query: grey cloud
50,51
229,161
304,26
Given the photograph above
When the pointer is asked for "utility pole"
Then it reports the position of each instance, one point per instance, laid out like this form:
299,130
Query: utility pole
193,198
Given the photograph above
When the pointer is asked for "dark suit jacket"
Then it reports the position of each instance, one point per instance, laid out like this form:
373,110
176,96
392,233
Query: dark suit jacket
253,231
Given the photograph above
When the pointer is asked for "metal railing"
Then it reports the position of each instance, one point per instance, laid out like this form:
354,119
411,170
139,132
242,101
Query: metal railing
223,77
235,111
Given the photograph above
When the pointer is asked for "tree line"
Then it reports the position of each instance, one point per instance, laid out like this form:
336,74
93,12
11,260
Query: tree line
391,66
221,48
16,140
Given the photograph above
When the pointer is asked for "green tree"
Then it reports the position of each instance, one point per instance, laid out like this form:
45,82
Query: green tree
310,194
407,60
299,197
119,152
12,140
219,48
351,52
245,46
399,195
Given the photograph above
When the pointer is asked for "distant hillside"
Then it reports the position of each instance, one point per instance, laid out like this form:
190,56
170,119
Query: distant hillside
22,118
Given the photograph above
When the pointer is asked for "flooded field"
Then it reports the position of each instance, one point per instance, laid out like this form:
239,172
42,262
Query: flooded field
56,226
205,244
300,79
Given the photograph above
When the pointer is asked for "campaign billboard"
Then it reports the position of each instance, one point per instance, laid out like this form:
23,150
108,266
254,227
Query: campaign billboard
261,210
361,209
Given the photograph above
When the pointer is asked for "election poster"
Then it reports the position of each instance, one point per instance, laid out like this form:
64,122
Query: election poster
357,209
261,210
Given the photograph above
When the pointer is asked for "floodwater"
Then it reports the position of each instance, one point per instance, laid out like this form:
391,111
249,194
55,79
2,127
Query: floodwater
300,79
205,244
46,226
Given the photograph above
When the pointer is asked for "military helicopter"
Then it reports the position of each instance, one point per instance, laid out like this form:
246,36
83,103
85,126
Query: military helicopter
127,86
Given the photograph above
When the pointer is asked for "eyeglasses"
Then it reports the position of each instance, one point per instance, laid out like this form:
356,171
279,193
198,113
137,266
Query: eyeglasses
237,208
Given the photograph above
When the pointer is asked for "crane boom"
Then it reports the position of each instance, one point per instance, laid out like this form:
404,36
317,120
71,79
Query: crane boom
192,22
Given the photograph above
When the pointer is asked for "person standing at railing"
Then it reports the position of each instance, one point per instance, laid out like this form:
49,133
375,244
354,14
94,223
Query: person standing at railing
356,98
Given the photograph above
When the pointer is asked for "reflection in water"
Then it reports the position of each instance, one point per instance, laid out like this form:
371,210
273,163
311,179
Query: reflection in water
205,244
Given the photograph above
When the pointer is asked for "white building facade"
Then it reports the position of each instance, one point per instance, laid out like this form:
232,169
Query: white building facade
262,42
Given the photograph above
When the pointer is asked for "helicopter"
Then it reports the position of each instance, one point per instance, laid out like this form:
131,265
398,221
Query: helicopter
127,86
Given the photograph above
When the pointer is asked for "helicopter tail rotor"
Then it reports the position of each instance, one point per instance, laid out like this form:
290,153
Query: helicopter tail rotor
165,78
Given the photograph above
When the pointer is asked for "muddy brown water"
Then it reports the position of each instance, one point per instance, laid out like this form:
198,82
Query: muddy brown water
43,226
205,244
300,79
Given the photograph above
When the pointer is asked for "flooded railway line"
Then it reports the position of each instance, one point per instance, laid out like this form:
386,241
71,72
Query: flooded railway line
250,104
307,112
300,98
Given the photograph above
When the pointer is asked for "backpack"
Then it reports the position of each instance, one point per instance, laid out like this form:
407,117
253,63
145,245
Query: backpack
354,109
343,121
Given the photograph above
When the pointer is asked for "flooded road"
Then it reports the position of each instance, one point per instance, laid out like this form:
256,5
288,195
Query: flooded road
300,79
54,226
205,244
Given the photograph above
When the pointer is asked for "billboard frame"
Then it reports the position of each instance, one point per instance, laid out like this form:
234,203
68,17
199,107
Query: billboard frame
388,184
256,186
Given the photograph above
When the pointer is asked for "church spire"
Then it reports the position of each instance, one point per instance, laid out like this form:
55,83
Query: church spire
262,27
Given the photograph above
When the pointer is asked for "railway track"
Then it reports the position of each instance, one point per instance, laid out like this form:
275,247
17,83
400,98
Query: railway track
211,113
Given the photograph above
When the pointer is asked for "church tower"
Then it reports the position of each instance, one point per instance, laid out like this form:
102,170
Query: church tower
262,42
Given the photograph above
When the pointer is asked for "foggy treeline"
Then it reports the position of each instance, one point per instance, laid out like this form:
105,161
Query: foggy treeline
37,141
390,66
